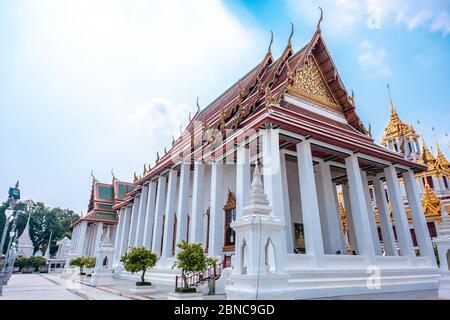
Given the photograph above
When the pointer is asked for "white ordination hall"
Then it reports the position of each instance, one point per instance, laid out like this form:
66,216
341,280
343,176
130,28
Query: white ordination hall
278,231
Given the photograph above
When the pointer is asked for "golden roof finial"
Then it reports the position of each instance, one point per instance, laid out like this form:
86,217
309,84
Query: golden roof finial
198,106
320,19
93,177
291,35
269,49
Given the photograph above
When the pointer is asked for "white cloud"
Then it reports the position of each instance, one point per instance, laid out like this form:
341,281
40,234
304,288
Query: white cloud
342,15
373,60
100,84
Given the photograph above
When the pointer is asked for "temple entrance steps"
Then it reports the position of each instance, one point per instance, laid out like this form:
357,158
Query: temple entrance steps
321,283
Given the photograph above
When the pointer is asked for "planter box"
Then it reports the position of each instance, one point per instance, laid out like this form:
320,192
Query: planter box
43,269
27,270
142,289
185,296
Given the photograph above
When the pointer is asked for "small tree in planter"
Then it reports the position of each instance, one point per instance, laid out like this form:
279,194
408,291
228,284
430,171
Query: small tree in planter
37,262
190,258
20,263
89,263
139,259
78,262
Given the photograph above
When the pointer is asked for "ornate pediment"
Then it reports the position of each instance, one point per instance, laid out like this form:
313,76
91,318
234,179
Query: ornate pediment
309,81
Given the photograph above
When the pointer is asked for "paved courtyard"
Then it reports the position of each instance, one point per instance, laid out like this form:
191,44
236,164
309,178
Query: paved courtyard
56,287
52,287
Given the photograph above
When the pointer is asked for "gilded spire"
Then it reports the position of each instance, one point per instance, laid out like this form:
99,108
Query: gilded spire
396,128
431,204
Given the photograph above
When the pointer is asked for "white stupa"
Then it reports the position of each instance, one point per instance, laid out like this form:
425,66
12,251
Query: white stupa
63,248
25,245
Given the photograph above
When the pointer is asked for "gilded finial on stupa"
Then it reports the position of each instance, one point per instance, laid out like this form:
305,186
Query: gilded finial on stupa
320,19
390,100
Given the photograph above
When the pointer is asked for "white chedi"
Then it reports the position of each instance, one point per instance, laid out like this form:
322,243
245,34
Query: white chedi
25,245
103,271
260,262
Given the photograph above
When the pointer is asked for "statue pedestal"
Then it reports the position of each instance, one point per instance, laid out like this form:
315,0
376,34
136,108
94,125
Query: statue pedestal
102,278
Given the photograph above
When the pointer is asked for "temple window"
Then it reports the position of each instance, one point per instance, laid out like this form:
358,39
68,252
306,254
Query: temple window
270,262
430,181
444,178
230,216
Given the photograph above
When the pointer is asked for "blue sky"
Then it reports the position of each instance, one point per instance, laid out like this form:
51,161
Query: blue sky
104,84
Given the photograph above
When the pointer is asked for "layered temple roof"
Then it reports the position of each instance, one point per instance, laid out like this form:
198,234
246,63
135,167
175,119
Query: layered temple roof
103,197
436,164
309,74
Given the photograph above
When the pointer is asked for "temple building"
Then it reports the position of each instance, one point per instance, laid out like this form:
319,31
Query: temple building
294,118
434,182
88,230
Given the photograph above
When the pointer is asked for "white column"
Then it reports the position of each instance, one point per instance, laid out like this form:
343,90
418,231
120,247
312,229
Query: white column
310,208
327,210
82,238
118,237
342,237
159,212
273,185
139,237
420,224
118,228
359,209
390,247
370,214
197,203
150,215
287,210
171,206
216,235
348,213
242,178
183,203
98,237
134,220
126,231
398,210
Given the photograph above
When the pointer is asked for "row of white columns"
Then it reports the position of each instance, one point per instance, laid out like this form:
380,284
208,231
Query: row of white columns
149,220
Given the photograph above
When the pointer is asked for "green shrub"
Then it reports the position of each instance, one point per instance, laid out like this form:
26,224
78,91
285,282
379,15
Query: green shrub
37,261
139,259
89,262
21,262
191,258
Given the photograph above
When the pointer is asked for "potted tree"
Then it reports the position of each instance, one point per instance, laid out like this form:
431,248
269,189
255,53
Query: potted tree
27,267
38,263
20,263
89,264
190,258
140,259
78,262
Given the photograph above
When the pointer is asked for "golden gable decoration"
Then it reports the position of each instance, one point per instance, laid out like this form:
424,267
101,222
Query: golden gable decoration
309,81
